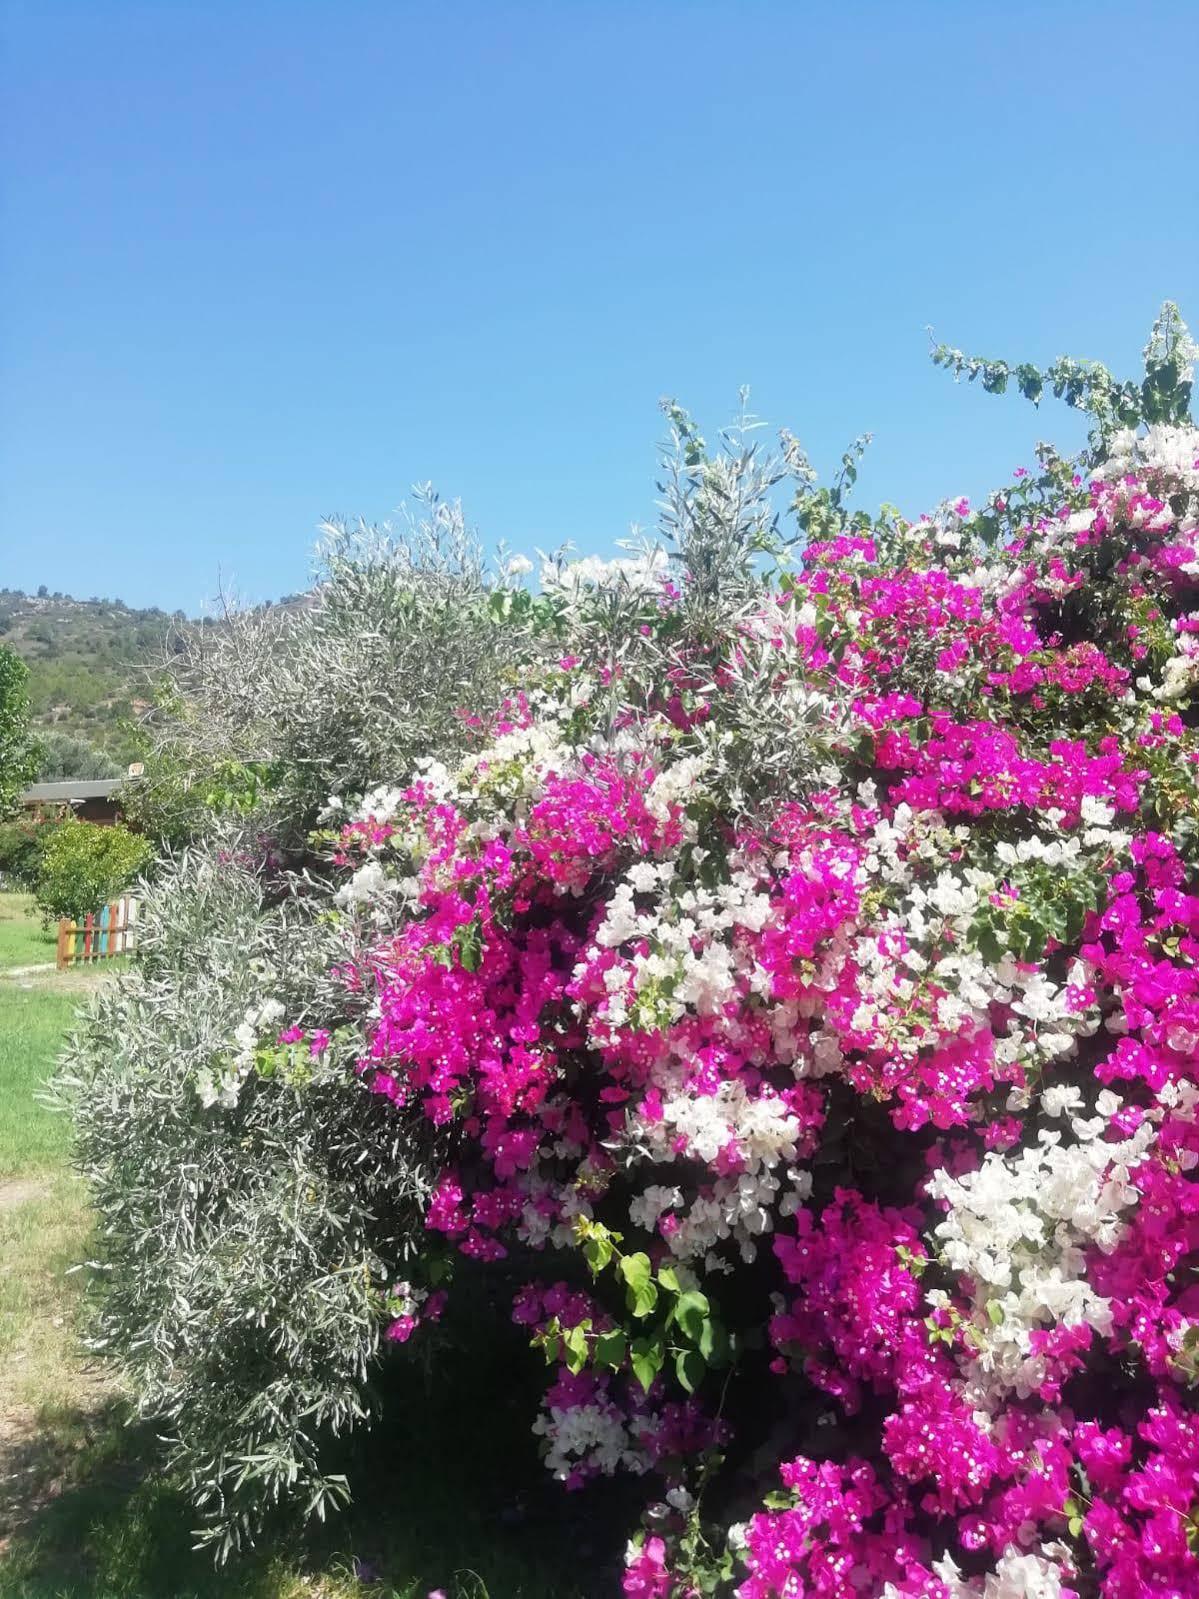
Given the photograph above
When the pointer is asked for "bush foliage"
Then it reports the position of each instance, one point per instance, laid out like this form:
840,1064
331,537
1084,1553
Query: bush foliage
22,843
770,955
244,1244
63,756
273,710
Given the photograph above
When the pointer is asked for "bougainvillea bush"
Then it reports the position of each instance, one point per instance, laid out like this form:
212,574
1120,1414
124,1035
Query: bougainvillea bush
796,978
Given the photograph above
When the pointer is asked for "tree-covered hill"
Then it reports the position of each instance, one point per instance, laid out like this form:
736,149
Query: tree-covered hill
90,664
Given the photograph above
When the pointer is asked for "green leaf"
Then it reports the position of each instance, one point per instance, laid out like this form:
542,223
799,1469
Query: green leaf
636,1270
691,1312
638,1274
647,1357
689,1368
668,1278
576,1348
610,1349
597,1252
469,939
714,1343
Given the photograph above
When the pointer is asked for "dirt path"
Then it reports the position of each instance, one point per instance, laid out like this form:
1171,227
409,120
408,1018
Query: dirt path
20,1190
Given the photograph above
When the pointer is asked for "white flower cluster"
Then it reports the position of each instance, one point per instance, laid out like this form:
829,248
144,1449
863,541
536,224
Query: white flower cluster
673,785
369,884
1181,670
1162,448
939,978
1018,1227
512,767
222,1086
1097,817
593,1434
1033,1574
573,579
689,965
740,1206
901,997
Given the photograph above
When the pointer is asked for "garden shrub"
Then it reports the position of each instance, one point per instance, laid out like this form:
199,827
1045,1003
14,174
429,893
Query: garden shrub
791,983
234,1186
22,844
250,1204
83,866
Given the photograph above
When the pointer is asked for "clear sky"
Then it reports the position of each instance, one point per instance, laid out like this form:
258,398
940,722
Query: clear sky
264,260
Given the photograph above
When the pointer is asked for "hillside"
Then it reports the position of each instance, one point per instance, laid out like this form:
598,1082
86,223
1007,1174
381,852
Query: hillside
89,664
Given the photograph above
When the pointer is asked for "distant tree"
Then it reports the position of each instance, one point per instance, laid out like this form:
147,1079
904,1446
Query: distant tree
18,752
66,755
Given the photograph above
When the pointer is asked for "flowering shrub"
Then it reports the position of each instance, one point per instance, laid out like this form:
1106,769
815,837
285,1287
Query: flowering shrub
852,1085
793,974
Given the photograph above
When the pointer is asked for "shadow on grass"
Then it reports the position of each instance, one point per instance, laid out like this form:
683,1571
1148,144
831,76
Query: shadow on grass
98,1518
448,1494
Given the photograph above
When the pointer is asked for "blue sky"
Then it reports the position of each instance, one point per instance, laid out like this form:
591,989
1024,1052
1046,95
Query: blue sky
267,261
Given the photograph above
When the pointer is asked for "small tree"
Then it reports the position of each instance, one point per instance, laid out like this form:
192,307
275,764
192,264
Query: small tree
18,752
84,866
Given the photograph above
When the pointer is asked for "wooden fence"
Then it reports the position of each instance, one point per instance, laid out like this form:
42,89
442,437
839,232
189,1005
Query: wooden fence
111,932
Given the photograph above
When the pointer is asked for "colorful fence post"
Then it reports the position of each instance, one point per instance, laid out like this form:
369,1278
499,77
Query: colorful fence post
100,936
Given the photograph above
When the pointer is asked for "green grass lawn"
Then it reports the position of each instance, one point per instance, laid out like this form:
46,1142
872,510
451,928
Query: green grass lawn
23,942
448,1491
33,1020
